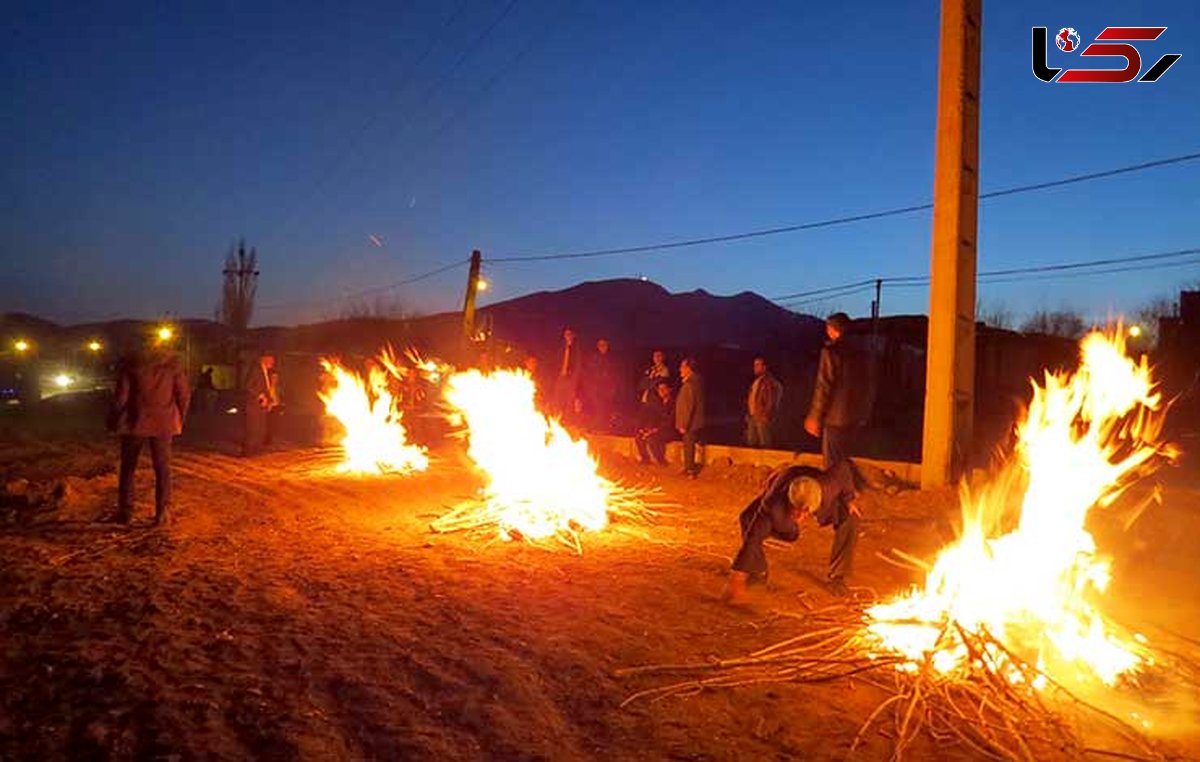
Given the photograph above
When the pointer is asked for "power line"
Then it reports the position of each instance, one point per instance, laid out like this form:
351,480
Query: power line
369,291
427,95
922,280
845,220
354,142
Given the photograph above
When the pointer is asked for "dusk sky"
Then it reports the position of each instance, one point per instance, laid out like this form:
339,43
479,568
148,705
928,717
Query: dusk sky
141,140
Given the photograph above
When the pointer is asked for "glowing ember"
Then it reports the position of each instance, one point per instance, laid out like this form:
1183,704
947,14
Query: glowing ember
541,483
1085,437
375,440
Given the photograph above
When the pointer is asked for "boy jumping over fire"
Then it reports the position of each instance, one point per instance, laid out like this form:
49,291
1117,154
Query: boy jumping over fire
791,494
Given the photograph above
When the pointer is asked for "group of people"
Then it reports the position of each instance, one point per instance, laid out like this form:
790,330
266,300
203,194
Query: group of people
151,402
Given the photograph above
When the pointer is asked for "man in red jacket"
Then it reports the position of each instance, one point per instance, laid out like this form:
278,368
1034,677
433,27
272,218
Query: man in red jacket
150,405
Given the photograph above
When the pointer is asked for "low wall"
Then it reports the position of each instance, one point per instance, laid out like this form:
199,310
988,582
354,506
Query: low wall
909,473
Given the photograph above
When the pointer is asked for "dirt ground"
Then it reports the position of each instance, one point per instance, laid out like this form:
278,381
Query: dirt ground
291,613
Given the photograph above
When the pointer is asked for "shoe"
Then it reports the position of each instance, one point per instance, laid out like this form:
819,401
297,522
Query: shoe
838,588
162,519
118,517
757,578
735,589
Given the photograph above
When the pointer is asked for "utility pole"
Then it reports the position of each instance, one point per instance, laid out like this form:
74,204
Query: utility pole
950,359
469,300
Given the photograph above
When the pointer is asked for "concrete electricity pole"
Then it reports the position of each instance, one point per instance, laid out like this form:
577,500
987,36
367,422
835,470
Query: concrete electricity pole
950,360
469,301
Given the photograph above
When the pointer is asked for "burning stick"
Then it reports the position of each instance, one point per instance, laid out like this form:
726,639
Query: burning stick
540,482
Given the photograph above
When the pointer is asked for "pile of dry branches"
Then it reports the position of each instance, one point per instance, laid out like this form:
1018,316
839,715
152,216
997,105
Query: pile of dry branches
979,711
628,508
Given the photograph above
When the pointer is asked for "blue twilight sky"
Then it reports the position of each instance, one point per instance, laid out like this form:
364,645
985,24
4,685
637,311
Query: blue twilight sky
141,139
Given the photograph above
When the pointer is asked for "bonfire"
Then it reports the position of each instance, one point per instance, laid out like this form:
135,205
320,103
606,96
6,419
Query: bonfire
540,482
1005,626
375,440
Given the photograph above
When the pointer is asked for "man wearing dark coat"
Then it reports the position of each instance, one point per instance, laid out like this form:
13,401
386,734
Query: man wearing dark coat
149,407
792,494
567,376
601,385
689,414
840,402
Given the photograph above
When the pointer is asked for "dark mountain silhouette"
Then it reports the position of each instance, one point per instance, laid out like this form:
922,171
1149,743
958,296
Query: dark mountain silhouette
635,313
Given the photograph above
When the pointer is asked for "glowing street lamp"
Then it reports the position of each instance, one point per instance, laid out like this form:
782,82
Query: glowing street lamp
21,346
62,380
482,285
94,346
165,333
1135,331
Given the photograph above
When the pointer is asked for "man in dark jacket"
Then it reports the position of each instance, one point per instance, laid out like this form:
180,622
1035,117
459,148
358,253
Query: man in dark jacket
689,414
567,404
840,404
656,426
793,493
601,384
762,405
150,405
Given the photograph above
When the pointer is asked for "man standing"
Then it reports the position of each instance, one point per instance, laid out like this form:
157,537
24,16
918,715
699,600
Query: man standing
762,405
566,382
656,426
658,371
149,406
792,494
689,414
602,382
839,405
262,398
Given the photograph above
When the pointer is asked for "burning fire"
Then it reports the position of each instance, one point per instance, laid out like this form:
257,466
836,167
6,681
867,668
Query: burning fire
1086,436
375,440
540,483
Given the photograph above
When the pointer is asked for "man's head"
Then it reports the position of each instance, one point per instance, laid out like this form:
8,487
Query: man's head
836,325
531,363
804,493
568,336
267,361
663,389
687,368
659,357
602,346
760,366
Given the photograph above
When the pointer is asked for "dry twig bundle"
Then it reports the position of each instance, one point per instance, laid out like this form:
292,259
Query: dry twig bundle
979,711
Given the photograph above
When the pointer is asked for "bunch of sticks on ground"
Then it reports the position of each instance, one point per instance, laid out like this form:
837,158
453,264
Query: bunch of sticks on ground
987,710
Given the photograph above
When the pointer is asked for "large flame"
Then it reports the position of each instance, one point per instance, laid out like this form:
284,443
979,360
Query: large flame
1087,434
375,440
539,481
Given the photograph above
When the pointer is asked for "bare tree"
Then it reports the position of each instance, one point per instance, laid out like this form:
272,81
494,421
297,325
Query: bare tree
391,308
995,315
1065,322
240,287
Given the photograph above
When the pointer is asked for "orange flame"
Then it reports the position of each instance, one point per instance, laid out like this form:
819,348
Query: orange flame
1085,437
540,482
375,441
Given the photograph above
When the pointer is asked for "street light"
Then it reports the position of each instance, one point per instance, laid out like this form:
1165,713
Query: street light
1135,331
165,333
21,345
481,284
94,346
62,380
